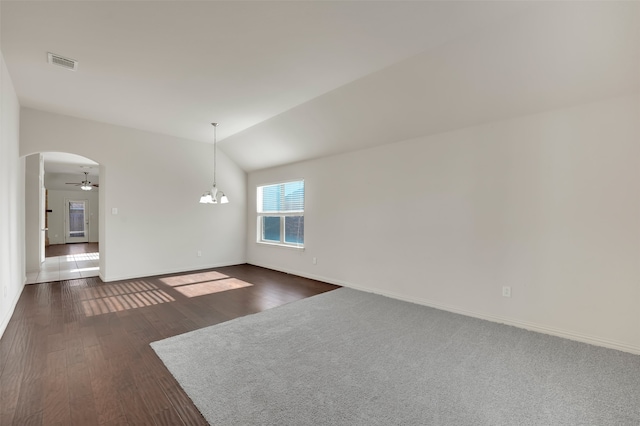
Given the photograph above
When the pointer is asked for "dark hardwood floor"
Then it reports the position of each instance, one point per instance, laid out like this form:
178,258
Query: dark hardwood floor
77,352
64,249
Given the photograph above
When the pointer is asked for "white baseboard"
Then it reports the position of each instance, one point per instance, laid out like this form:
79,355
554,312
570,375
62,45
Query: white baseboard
567,334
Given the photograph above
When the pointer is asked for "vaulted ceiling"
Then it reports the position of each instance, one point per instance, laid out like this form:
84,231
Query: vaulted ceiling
289,81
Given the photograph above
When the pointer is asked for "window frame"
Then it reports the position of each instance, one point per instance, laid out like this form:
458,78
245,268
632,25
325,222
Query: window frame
281,214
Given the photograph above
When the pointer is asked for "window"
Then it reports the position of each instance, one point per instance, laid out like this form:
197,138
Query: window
281,214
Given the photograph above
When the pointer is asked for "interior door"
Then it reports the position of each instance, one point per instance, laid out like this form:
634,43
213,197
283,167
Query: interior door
76,221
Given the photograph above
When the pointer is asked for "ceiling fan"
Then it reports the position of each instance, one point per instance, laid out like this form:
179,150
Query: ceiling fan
85,185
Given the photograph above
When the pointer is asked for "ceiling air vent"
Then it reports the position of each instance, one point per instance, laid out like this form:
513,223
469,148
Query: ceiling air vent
63,62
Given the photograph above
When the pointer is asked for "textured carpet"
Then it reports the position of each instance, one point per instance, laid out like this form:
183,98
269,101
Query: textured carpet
351,358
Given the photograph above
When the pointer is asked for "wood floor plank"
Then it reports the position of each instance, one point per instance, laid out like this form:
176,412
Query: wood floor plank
120,421
135,409
103,389
55,342
77,352
56,408
30,419
181,402
81,398
152,396
168,417
7,340
29,406
74,347
9,393
88,336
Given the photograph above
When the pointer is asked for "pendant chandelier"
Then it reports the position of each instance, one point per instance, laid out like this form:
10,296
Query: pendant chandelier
211,196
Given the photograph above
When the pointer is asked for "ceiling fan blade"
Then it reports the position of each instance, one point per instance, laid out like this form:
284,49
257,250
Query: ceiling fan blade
85,182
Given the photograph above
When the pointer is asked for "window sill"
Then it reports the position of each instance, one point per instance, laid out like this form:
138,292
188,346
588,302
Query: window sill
284,246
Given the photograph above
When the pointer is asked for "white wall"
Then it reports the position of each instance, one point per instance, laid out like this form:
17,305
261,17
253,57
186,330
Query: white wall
32,199
12,264
57,215
155,182
548,204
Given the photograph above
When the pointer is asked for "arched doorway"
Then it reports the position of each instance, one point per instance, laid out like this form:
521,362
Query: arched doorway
62,209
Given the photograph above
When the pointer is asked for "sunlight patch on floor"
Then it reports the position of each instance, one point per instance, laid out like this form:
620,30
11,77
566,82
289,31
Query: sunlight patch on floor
94,268
82,256
202,283
121,296
210,287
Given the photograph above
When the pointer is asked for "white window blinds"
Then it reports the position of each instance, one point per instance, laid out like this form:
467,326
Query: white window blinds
281,198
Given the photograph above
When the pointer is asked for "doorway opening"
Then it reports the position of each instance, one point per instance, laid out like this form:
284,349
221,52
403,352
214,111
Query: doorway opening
62,217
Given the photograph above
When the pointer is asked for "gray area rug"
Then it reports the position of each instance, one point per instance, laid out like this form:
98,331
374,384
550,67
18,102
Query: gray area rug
352,358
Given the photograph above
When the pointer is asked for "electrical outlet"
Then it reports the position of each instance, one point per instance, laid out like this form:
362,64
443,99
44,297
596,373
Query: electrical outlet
506,291
315,260
199,253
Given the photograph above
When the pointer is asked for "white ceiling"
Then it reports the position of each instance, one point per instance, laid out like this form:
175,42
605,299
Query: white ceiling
288,81
61,162
557,55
